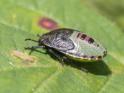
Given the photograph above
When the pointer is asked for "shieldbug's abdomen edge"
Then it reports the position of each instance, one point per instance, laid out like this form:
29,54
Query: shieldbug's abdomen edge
72,44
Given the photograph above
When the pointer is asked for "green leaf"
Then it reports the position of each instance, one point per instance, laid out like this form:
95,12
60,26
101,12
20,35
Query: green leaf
39,73
113,9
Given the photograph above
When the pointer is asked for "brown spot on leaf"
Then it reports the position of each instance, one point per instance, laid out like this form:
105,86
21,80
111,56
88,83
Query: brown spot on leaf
23,56
47,23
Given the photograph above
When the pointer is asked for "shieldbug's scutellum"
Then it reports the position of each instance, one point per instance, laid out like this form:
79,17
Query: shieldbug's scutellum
70,44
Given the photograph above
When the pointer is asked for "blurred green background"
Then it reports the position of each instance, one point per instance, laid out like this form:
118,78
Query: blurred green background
112,9
100,19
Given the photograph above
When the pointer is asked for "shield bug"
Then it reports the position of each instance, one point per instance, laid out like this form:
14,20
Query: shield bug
70,44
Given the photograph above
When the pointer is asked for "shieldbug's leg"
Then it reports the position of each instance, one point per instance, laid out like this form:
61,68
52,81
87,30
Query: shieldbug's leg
28,39
57,55
33,48
84,69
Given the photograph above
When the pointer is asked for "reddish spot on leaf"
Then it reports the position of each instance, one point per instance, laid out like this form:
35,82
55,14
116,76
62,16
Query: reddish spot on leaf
48,23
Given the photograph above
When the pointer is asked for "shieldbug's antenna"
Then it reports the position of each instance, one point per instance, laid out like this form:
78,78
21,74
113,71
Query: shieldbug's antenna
28,39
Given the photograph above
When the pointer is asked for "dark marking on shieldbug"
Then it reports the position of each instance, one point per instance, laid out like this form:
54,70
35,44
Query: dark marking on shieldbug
91,40
83,36
84,56
48,23
87,39
99,57
92,57
78,35
97,45
105,53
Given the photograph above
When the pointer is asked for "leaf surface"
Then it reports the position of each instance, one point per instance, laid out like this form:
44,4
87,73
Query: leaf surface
20,20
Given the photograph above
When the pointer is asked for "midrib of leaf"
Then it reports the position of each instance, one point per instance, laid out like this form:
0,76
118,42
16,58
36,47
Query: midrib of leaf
76,74
105,84
98,91
118,57
44,83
